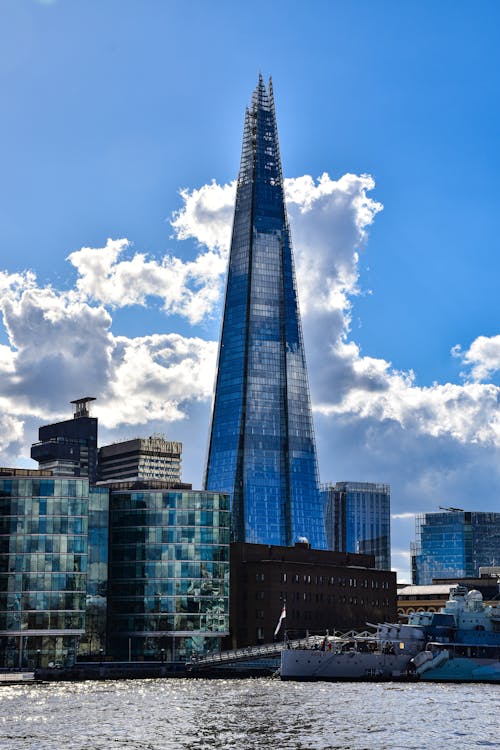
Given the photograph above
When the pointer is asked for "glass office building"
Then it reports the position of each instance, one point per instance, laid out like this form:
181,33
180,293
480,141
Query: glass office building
169,573
43,569
69,448
94,641
454,544
358,519
261,446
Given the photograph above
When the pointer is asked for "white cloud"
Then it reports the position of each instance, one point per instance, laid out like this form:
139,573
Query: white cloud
329,220
11,436
61,347
207,215
401,564
58,345
483,357
154,377
190,289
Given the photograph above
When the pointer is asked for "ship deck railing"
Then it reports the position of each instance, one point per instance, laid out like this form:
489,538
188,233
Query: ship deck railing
270,650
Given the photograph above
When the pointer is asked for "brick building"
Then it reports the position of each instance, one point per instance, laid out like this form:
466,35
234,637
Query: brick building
323,590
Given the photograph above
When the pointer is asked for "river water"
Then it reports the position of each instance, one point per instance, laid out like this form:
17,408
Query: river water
191,714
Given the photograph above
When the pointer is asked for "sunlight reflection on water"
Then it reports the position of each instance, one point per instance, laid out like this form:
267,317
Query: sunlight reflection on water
248,715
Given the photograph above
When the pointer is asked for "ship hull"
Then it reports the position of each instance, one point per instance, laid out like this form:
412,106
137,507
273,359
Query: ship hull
313,665
465,669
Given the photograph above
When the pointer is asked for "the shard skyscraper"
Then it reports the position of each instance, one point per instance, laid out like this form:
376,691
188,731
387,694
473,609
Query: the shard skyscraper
261,447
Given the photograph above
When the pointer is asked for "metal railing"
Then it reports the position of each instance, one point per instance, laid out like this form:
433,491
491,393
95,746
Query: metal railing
249,653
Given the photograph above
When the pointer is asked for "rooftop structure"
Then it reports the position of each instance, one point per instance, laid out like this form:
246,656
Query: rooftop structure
152,458
69,448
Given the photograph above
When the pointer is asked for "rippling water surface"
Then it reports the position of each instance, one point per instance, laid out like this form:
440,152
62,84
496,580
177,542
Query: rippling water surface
248,714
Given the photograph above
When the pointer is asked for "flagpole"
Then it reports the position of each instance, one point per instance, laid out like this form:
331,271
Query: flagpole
284,629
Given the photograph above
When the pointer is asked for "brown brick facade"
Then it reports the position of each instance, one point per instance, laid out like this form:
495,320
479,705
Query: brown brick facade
323,591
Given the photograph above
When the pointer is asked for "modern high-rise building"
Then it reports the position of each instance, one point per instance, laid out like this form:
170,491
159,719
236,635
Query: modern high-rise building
358,519
454,544
96,602
154,457
168,572
43,568
69,448
261,446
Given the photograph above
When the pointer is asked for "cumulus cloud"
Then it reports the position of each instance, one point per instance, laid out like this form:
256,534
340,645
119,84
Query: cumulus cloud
58,344
11,436
329,226
61,346
190,289
329,221
207,215
482,357
155,377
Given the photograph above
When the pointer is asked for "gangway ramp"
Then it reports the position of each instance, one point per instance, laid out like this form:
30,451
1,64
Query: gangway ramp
249,653
269,650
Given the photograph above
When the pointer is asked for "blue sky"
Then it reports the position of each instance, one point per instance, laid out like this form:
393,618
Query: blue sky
109,109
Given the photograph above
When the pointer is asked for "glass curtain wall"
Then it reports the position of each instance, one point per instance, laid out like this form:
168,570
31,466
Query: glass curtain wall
454,544
43,570
93,643
358,519
261,448
169,573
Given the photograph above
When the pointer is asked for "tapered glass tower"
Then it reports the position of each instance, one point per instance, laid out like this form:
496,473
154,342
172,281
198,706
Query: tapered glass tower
261,447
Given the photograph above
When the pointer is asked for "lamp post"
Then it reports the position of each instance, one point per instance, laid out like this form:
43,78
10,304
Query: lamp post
101,654
162,655
38,657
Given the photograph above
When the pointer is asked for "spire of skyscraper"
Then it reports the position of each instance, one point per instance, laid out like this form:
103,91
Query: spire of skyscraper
261,447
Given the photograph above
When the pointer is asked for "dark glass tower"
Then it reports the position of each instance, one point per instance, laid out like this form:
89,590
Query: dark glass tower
454,544
261,448
358,519
69,448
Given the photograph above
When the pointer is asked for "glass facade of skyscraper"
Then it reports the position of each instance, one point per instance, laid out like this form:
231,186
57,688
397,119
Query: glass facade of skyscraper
262,449
358,519
454,544
43,569
169,573
94,641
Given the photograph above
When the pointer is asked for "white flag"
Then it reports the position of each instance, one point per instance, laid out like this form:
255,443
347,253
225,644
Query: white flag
282,617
